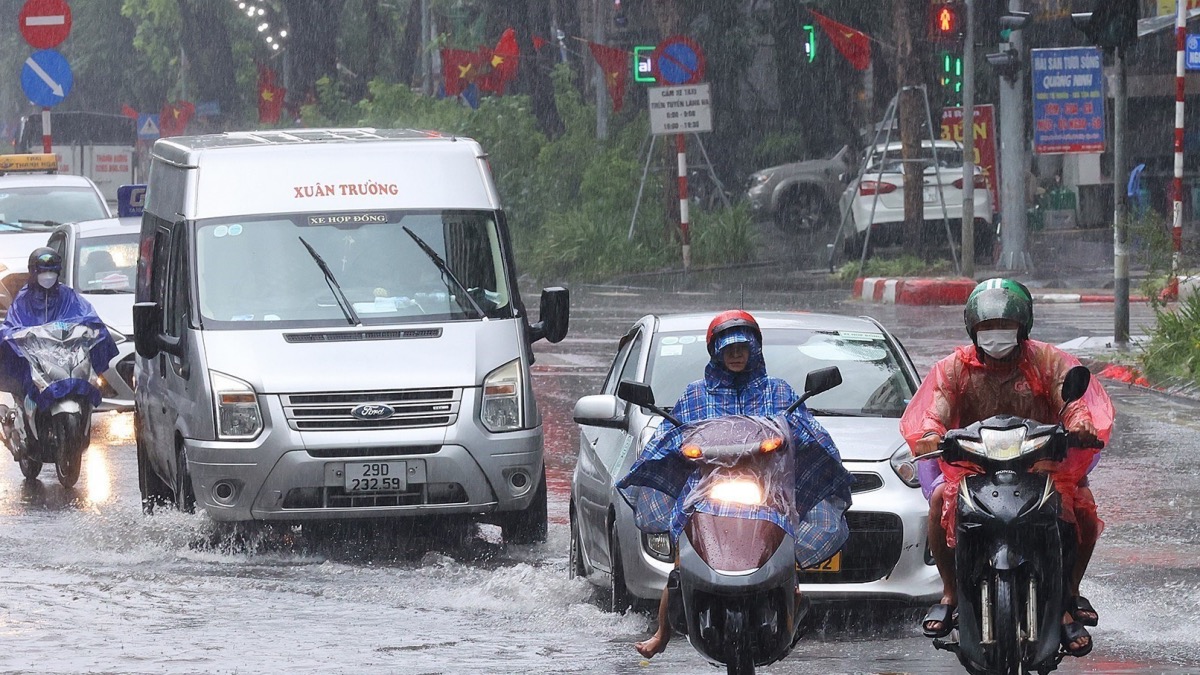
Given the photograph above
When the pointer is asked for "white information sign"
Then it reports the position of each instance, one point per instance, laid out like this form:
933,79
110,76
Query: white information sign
685,109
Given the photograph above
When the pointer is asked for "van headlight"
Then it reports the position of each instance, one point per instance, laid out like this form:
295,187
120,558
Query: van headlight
238,414
503,398
905,466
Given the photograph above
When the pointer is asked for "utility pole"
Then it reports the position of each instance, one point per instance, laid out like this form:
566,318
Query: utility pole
1013,156
598,34
1120,221
968,106
426,67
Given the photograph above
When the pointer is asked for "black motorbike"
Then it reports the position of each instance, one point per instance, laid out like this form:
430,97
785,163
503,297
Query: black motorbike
733,592
1014,551
57,430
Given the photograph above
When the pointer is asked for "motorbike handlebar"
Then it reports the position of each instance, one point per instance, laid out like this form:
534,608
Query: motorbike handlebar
1075,441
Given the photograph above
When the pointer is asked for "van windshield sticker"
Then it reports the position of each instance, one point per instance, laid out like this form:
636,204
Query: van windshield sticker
220,231
348,219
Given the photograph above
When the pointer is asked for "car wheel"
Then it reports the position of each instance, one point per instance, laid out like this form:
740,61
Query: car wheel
576,567
853,247
619,598
801,210
985,241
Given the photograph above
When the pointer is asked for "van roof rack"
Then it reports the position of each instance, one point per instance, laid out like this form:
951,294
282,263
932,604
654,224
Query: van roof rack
29,163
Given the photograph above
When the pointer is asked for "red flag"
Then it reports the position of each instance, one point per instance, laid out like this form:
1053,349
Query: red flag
503,63
460,68
173,119
615,64
854,45
128,111
538,43
270,97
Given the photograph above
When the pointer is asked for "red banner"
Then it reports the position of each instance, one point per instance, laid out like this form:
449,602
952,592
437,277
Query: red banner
985,142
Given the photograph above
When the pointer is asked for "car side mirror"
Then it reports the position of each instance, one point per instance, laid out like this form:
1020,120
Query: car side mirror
1075,384
599,410
553,316
636,393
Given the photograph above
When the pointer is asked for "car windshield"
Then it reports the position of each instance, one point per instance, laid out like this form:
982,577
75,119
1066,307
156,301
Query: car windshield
259,269
50,205
105,264
873,382
947,158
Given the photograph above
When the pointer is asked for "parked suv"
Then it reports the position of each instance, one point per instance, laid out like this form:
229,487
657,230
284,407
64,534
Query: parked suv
800,196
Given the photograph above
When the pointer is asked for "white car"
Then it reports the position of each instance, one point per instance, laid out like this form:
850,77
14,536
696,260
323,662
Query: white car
100,261
876,198
886,556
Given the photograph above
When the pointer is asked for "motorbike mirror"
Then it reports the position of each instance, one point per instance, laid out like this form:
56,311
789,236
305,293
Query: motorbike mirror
636,393
817,381
1076,383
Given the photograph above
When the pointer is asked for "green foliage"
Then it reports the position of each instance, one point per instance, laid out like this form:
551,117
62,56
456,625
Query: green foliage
903,266
1173,352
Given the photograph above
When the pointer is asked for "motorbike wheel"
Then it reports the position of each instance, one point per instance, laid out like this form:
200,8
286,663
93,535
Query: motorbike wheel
738,650
30,468
66,435
619,598
1007,625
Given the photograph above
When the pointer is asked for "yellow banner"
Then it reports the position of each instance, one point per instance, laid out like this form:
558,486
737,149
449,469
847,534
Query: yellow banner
33,162
1168,7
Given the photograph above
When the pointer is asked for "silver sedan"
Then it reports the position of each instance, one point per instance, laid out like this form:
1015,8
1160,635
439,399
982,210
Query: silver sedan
886,556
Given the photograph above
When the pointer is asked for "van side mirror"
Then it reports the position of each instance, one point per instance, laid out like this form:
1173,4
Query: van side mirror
148,337
553,317
1075,384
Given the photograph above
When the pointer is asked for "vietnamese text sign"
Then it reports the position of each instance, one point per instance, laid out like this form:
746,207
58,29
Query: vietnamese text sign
985,141
1068,100
680,110
1193,52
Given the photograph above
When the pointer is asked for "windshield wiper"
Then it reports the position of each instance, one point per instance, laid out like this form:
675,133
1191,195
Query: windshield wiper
441,265
334,286
817,412
47,223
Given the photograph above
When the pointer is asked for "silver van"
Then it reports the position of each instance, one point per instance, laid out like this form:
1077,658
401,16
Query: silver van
328,326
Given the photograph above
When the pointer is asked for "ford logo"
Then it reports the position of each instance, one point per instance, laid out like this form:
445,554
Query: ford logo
373,411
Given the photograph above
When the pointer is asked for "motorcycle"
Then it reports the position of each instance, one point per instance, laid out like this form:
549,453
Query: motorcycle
733,591
52,425
1014,550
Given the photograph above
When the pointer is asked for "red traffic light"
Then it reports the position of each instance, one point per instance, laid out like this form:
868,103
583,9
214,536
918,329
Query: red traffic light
945,20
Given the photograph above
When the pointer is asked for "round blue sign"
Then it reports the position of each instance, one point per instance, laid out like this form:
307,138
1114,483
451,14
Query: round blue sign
46,78
678,60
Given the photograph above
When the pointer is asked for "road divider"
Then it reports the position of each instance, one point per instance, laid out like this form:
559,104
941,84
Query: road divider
951,291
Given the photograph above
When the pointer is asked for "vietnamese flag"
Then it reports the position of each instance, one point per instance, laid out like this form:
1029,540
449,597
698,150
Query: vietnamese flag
615,64
270,97
128,111
460,68
503,63
853,44
173,119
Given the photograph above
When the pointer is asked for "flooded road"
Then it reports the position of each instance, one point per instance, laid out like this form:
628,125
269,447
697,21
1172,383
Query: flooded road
89,584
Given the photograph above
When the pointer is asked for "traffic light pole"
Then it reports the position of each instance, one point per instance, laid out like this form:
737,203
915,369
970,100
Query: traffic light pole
1120,222
968,105
1013,159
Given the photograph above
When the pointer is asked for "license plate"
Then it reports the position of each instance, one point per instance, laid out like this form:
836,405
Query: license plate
931,194
375,477
834,564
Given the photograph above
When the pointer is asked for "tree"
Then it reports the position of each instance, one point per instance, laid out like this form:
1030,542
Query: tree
912,69
204,38
313,27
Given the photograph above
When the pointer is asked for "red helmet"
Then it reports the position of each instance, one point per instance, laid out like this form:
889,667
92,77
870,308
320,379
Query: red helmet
734,318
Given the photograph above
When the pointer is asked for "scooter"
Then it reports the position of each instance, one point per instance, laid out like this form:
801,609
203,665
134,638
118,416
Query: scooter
1013,551
52,425
733,592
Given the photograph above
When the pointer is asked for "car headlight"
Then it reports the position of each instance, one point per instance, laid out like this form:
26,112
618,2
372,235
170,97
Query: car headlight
745,492
503,394
238,414
905,466
658,545
758,179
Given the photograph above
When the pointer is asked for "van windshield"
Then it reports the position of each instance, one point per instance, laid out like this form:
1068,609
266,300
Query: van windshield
256,269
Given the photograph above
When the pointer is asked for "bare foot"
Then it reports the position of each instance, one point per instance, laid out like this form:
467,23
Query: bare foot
655,645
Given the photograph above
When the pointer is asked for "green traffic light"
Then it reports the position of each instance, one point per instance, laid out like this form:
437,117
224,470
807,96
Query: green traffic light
1005,34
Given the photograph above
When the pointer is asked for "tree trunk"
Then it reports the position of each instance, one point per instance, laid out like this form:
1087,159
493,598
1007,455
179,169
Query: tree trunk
910,68
209,54
312,29
408,52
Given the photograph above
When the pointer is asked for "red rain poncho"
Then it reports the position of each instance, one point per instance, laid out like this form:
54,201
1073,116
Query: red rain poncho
961,390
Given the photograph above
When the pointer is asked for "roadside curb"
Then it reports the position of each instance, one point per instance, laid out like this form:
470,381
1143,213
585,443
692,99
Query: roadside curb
1132,377
1067,298
952,291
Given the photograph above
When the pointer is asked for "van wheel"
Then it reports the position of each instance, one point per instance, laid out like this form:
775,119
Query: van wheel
528,526
154,490
185,497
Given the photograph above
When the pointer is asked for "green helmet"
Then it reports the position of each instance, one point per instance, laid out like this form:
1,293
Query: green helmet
999,299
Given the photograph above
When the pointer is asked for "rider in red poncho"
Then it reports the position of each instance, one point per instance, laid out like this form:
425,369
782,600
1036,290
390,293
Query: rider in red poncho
1003,372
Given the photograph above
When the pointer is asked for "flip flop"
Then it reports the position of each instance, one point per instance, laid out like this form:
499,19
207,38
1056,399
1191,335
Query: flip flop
1082,611
943,614
1072,632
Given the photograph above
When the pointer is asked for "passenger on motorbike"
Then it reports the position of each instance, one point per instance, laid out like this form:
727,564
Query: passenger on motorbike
1004,372
736,383
45,299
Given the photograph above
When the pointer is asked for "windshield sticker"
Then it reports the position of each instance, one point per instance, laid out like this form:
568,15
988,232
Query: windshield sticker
351,219
688,339
670,340
220,231
851,335
843,351
670,350
367,189
235,230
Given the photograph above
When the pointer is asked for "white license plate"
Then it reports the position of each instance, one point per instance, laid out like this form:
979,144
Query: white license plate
931,194
375,477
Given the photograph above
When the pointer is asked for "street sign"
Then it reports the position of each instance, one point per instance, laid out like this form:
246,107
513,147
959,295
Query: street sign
1193,52
680,110
45,23
643,64
985,141
147,126
1068,100
678,60
131,200
46,78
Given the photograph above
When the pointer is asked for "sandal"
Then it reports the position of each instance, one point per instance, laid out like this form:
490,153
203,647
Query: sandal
1082,611
1073,632
943,614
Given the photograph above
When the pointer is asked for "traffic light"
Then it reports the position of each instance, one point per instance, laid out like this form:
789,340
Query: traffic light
1111,25
946,21
950,75
1007,61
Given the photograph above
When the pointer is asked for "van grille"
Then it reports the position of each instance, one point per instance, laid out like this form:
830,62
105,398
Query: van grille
408,408
361,335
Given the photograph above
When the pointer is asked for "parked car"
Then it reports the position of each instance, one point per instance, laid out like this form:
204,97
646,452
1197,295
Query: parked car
886,556
801,196
876,198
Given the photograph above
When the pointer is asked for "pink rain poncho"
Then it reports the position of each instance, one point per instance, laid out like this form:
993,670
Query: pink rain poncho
961,390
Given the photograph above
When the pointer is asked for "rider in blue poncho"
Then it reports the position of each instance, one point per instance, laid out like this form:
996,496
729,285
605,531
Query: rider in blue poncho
736,383
44,299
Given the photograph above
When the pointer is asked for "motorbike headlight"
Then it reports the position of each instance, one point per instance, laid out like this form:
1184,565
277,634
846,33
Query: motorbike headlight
1033,444
658,545
745,492
905,466
238,415
974,447
503,398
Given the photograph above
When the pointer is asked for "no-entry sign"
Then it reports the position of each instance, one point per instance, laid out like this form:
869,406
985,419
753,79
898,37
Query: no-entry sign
45,23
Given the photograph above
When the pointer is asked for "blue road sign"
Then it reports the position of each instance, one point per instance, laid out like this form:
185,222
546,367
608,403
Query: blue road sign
1068,100
1192,60
678,60
46,78
131,200
147,126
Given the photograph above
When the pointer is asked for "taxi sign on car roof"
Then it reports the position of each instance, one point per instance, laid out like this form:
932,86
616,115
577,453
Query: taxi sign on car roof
28,162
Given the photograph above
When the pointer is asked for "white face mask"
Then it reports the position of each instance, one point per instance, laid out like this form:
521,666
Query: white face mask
47,279
997,343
